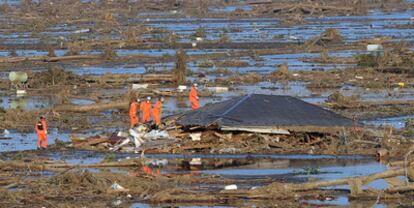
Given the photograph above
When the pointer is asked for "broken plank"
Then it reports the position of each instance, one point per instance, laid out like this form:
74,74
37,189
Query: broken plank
91,142
398,189
221,136
256,130
197,146
394,182
364,142
276,145
257,2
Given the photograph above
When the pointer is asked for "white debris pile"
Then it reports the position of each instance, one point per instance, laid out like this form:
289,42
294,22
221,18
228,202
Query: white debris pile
138,136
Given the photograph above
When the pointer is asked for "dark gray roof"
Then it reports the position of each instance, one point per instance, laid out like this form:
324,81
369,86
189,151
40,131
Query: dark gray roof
263,111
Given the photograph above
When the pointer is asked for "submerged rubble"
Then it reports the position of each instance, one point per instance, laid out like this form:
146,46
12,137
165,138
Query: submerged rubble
86,60
76,187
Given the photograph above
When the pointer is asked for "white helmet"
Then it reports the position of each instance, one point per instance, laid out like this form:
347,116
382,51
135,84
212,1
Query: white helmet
148,98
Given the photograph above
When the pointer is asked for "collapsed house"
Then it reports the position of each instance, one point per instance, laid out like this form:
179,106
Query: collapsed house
269,114
253,123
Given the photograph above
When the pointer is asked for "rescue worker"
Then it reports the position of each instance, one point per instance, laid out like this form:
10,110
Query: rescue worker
193,97
146,110
133,110
156,112
41,130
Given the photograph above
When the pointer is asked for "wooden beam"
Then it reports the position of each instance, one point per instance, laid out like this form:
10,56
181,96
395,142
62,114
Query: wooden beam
262,130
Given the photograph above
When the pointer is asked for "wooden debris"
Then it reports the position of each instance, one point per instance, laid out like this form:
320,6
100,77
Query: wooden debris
91,107
138,78
195,147
256,130
394,182
356,184
89,142
54,166
47,58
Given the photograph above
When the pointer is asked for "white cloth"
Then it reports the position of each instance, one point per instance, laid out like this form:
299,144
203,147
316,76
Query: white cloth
136,135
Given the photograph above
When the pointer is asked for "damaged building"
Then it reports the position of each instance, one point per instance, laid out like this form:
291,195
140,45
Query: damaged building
268,114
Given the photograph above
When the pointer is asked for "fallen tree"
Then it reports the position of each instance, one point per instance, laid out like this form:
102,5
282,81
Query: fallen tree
356,184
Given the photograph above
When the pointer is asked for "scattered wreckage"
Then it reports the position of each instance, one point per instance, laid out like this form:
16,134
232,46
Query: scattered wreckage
119,139
246,124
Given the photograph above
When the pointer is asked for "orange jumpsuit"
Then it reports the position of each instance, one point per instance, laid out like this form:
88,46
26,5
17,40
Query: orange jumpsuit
41,129
156,112
193,97
133,110
146,111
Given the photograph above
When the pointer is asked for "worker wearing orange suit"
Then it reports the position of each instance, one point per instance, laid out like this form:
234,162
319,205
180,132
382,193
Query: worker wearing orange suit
146,110
133,111
193,97
41,130
156,111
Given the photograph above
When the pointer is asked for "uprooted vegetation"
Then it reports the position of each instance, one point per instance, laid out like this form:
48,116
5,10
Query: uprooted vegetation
354,106
328,37
282,72
24,120
75,187
342,100
180,70
92,189
400,59
18,119
242,78
325,7
55,76
360,76
228,63
79,187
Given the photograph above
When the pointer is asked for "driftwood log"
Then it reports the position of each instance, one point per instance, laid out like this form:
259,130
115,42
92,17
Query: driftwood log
274,190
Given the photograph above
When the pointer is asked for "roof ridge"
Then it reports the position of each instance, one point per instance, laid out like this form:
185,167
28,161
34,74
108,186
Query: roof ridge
235,105
321,108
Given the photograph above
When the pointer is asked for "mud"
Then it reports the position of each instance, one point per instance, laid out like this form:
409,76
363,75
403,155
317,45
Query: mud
77,187
82,58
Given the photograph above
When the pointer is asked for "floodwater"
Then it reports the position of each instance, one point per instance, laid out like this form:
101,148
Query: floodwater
26,102
272,168
398,122
242,30
287,168
17,141
291,168
352,28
